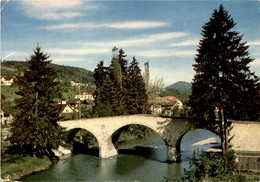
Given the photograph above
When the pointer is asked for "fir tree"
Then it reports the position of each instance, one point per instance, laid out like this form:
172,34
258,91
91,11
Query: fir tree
119,85
223,80
35,130
122,61
137,98
117,97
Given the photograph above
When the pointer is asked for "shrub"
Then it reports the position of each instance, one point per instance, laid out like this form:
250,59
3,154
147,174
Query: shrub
212,167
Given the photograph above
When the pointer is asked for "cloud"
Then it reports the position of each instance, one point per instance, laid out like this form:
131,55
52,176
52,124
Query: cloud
79,51
140,40
67,59
256,62
116,25
132,25
254,43
185,43
53,9
166,53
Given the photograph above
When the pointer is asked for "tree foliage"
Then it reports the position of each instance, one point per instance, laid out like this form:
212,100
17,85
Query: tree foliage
35,130
120,88
212,167
223,80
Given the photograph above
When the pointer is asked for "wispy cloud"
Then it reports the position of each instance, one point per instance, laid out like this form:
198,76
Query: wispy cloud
165,53
67,59
116,25
78,51
256,62
139,40
54,9
254,43
185,43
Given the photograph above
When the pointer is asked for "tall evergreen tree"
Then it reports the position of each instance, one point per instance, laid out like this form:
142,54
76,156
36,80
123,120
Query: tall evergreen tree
119,86
35,130
223,80
122,61
117,96
137,99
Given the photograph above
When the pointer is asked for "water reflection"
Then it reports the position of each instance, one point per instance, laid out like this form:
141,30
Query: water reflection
143,163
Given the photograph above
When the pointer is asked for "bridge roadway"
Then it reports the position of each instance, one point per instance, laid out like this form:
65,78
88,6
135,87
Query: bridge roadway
246,134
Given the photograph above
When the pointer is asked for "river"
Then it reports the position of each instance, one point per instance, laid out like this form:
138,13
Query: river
144,163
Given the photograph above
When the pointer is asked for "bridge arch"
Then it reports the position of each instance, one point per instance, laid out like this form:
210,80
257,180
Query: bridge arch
190,138
115,136
71,134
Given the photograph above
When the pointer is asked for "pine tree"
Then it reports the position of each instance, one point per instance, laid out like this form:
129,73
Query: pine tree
137,98
118,95
223,80
35,130
122,61
120,89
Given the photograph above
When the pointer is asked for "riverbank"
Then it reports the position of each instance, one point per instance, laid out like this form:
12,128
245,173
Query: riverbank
23,166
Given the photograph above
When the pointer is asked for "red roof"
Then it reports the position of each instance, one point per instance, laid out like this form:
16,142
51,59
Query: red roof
8,77
172,98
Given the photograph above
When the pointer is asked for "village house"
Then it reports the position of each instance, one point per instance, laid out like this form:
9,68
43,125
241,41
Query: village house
174,102
77,84
66,112
166,106
73,103
7,80
6,117
85,95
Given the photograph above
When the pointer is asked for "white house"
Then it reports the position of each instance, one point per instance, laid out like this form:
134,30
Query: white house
85,95
6,118
77,84
66,112
7,80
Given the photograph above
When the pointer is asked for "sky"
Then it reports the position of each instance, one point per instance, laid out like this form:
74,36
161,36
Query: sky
81,33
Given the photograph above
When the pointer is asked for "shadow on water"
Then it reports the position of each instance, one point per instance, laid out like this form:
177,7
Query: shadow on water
151,153
80,148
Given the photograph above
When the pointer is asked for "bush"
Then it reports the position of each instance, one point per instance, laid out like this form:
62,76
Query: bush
212,167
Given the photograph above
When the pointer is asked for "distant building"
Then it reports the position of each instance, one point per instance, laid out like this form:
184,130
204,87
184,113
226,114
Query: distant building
66,112
7,80
6,117
174,102
73,103
166,106
76,83
85,95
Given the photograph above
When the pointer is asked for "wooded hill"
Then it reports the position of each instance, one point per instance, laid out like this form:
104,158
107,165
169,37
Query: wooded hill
69,73
65,73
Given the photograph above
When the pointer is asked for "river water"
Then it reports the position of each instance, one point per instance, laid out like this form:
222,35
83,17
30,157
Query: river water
147,162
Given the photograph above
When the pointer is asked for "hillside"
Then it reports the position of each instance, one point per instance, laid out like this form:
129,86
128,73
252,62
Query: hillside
181,86
174,92
65,73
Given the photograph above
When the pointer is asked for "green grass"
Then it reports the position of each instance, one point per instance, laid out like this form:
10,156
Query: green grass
23,166
7,71
9,92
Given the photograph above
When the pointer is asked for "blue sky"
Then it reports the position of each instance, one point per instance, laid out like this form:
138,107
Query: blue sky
81,33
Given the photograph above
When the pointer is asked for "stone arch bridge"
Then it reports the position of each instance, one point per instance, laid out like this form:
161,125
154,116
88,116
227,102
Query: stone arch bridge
170,129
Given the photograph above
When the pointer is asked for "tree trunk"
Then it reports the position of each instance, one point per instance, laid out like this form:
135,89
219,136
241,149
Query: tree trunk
226,132
221,131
